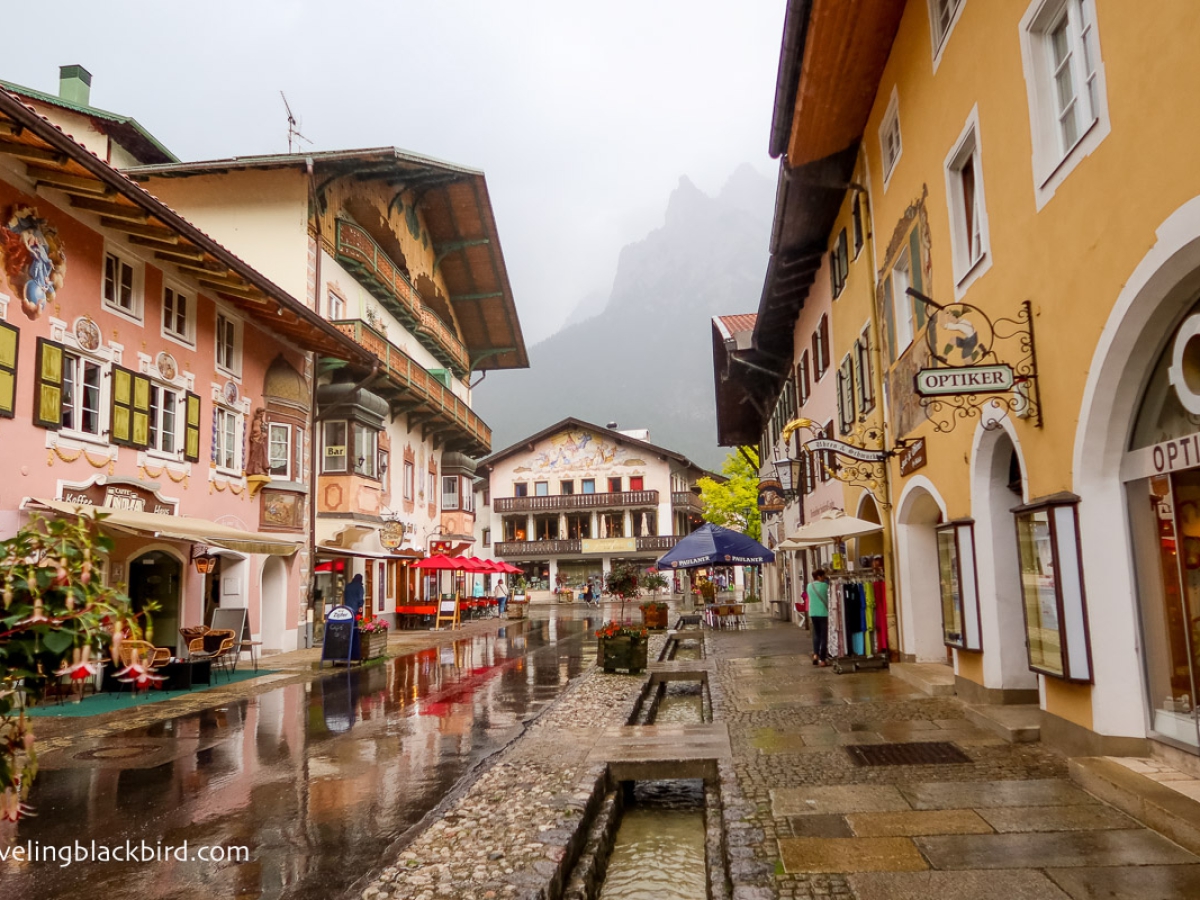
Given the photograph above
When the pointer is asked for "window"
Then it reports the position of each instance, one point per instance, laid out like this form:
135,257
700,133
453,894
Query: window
164,409
409,473
228,344
612,525
337,306
520,490
839,264
845,395
820,348
589,485
636,482
541,489
889,137
366,450
1052,589
432,487
566,487
802,382
827,459
545,528
227,439
487,537
579,526
968,216
1064,79
468,496
866,373
336,435
121,288
178,315
902,303
81,394
614,485
279,446
857,215
450,492
960,595
943,14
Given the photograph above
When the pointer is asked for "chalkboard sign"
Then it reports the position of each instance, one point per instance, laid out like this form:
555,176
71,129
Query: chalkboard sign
340,629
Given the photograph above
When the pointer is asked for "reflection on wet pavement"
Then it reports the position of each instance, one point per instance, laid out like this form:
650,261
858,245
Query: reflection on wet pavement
316,779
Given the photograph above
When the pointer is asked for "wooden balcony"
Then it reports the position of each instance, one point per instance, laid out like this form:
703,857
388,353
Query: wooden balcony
660,543
434,400
575,502
358,252
686,501
544,549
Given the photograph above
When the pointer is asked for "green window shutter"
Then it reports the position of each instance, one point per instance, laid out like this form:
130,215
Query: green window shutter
120,430
191,440
889,316
914,256
9,342
48,386
141,412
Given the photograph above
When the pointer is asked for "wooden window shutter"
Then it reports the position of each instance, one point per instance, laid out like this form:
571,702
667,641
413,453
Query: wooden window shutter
914,257
824,343
191,427
48,386
120,428
141,411
9,343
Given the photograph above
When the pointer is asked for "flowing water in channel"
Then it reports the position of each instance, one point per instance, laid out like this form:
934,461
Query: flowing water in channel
681,705
659,850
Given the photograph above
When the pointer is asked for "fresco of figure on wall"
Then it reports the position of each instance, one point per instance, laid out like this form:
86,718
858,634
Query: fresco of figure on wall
34,258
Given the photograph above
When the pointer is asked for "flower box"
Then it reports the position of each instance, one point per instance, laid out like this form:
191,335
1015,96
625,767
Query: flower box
623,651
654,615
515,609
371,644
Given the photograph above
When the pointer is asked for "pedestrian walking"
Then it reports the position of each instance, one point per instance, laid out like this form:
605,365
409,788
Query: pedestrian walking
501,596
818,615
355,595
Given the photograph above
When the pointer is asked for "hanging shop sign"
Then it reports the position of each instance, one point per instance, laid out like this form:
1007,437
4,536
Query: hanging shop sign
912,457
770,495
840,447
965,380
392,534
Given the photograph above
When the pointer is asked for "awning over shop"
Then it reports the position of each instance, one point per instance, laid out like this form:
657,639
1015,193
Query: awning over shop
326,550
174,528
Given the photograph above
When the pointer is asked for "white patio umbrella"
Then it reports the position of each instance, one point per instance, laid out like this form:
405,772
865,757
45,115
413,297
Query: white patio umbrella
827,529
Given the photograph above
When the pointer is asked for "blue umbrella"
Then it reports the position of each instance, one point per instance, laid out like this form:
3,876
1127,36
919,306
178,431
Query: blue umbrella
712,545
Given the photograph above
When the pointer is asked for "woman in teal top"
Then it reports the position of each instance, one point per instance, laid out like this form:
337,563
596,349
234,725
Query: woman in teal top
818,614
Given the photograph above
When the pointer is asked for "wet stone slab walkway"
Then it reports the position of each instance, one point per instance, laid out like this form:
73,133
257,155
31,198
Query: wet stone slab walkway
1006,822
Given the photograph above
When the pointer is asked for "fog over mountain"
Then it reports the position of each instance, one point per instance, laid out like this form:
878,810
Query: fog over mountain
643,359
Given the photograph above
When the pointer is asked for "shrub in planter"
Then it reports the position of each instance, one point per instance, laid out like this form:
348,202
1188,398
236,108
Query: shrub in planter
622,647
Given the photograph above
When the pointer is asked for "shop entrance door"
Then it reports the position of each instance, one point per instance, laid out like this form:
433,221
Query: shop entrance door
155,578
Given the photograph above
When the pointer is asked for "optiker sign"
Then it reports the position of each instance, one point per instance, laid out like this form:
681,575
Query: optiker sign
964,380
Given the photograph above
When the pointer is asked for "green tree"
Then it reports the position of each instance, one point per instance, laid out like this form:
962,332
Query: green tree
734,503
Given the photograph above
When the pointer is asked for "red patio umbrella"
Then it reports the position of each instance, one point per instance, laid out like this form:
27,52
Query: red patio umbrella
442,563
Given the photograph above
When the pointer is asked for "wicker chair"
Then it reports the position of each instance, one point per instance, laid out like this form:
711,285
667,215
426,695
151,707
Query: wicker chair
216,646
153,657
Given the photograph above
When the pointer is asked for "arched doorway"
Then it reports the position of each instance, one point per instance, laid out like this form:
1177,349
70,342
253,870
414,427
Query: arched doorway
998,483
918,514
156,578
273,601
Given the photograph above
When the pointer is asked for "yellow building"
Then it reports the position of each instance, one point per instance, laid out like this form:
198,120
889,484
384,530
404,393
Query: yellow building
1034,240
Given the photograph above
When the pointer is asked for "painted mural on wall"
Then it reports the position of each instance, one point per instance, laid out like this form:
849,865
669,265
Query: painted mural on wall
581,450
35,260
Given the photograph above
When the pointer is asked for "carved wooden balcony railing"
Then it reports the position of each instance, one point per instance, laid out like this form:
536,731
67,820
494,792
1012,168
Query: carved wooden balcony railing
686,501
569,502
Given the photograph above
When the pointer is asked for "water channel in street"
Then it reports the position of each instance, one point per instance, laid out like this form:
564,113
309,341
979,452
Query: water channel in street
316,779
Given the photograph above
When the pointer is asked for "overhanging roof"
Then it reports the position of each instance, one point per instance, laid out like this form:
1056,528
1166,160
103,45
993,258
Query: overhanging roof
458,213
56,161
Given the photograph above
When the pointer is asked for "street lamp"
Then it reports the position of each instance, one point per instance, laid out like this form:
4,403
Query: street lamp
204,561
790,476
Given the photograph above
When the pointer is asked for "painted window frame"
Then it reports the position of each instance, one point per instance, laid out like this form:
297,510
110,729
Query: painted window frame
1061,537
158,413
967,153
1053,162
820,348
541,489
289,449
588,486
187,337
839,264
803,385
888,125
958,580
365,441
566,487
137,294
520,489
451,493
847,411
336,311
900,277
73,357
942,26
410,471
328,468
228,446
230,336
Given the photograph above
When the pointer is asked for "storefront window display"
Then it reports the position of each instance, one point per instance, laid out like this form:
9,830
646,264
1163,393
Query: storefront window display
960,595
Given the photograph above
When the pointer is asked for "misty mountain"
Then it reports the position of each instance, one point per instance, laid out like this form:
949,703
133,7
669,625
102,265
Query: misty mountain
645,359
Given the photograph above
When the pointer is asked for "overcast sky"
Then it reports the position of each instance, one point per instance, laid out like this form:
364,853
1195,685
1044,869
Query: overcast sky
583,116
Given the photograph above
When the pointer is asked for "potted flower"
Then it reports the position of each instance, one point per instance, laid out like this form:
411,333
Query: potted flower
372,638
519,590
622,647
654,611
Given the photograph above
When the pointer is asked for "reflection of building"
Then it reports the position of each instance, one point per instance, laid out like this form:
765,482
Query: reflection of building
135,352
1044,535
569,501
401,254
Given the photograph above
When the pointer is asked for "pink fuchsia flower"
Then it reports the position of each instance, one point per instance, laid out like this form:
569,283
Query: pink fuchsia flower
81,668
12,807
139,674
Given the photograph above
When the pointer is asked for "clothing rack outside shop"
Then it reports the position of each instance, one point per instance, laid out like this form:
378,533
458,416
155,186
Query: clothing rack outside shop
858,620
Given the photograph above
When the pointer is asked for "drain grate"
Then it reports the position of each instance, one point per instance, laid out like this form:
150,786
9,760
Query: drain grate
934,753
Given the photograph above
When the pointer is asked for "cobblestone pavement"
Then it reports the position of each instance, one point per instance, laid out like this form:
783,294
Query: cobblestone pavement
1003,821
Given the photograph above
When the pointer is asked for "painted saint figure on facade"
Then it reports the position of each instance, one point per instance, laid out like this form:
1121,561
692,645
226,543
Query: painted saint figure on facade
34,258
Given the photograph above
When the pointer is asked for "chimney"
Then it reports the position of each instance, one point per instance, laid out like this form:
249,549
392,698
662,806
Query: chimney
75,85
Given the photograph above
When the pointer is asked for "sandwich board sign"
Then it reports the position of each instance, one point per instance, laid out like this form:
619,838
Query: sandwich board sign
448,611
338,644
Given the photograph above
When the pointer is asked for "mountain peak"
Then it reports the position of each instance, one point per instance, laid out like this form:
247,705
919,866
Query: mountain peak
686,200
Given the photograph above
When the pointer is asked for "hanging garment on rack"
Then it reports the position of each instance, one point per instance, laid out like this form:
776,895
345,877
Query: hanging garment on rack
881,614
854,611
869,604
837,627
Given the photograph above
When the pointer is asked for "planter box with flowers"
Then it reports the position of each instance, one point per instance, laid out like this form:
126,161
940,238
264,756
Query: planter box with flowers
654,612
622,647
372,639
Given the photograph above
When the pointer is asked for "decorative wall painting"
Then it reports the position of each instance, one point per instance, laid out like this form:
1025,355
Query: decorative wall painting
35,260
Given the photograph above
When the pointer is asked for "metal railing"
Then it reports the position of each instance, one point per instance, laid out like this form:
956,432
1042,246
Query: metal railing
568,502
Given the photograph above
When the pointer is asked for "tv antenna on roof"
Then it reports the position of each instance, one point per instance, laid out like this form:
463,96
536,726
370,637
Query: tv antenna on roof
294,135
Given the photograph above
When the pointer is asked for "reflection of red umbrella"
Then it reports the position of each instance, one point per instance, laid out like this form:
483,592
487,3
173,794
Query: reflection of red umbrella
442,563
